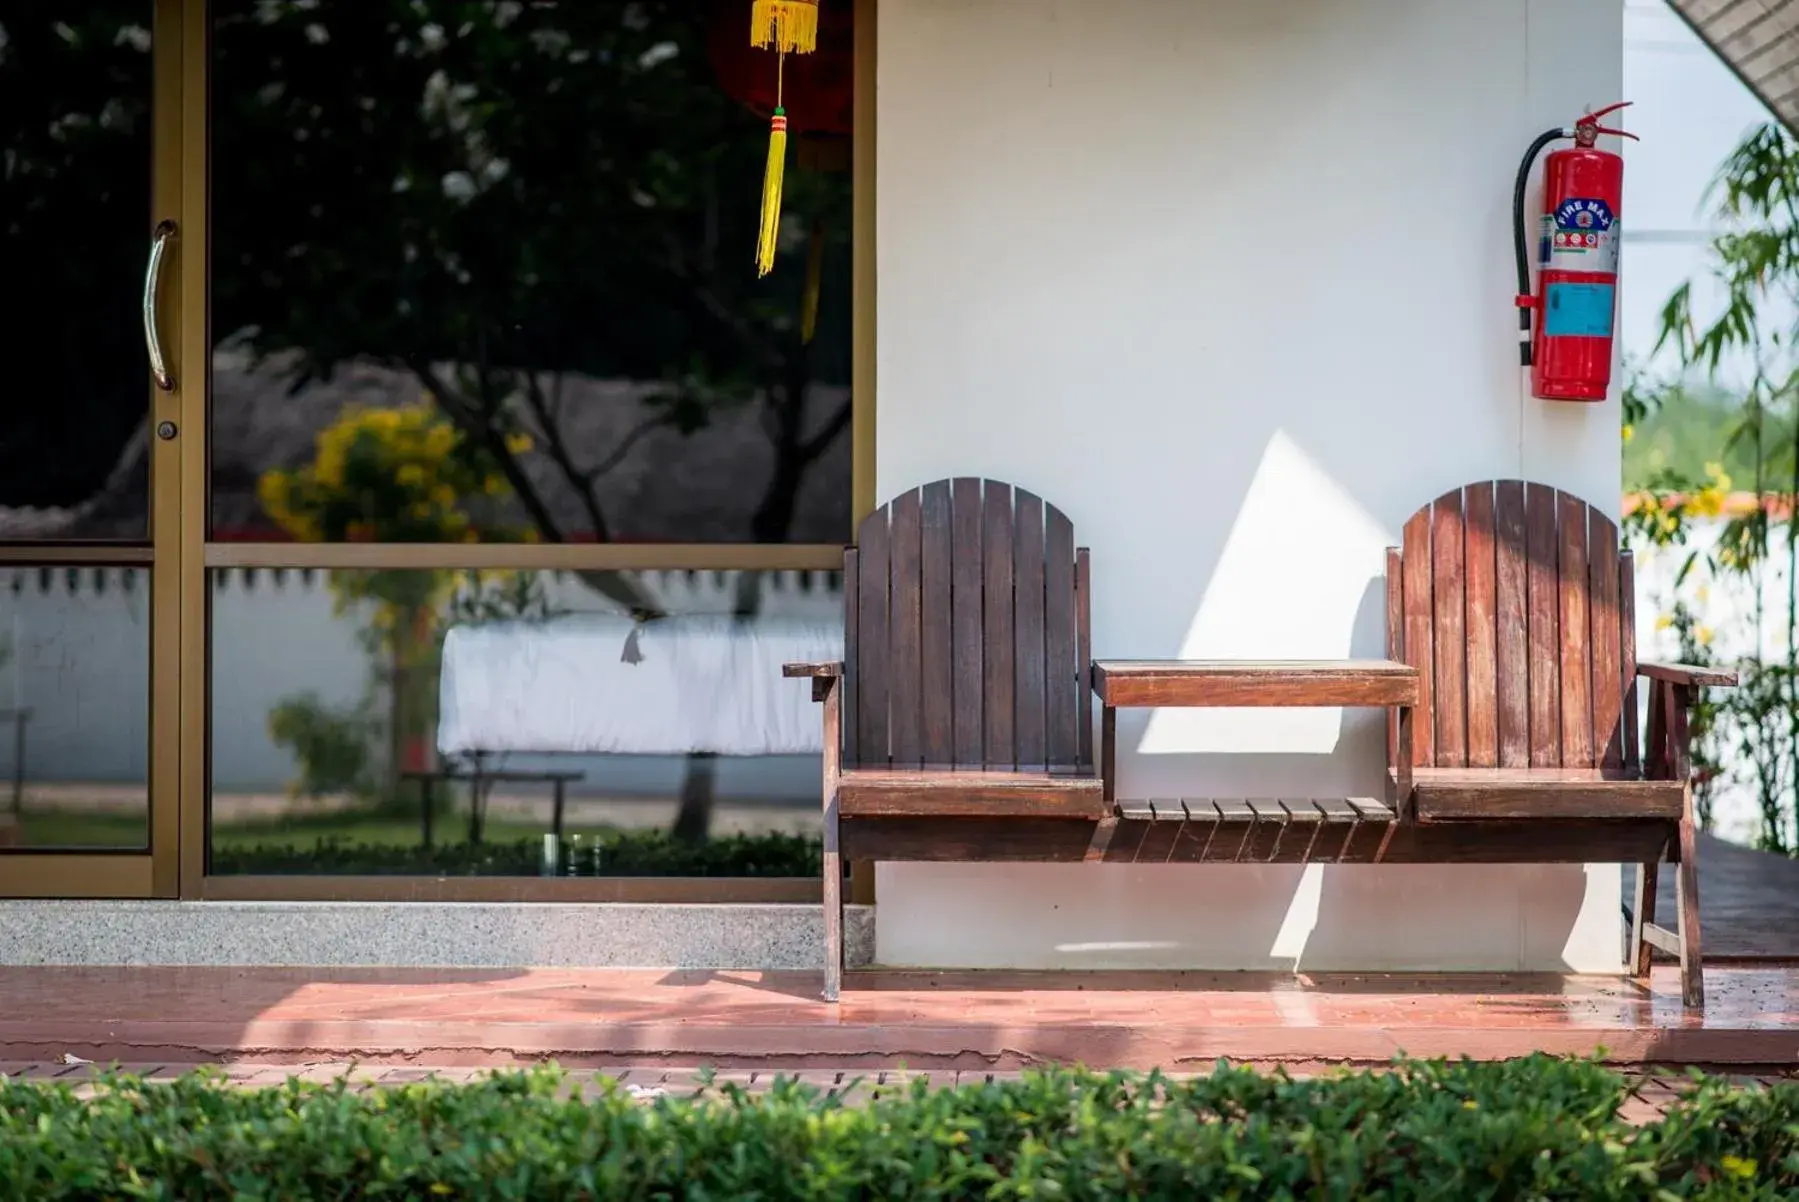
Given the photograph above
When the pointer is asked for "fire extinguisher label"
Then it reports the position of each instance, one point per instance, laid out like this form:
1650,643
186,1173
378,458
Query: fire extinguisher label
1578,310
1584,237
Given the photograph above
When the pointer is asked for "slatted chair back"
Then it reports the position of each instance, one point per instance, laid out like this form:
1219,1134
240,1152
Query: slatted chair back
1514,603
967,634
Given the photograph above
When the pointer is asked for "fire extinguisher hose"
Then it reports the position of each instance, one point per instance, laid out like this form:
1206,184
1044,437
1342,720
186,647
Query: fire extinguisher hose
1521,239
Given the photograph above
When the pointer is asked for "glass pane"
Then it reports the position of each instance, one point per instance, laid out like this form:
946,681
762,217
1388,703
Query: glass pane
74,708
424,722
75,93
484,271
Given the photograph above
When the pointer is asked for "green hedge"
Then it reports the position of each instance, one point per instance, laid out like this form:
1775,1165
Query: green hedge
628,853
1535,1128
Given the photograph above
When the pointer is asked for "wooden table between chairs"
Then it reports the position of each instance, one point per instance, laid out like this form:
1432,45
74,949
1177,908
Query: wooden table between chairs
1197,683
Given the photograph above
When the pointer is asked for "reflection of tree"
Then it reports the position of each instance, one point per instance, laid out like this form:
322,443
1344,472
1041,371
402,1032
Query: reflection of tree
492,195
74,183
397,475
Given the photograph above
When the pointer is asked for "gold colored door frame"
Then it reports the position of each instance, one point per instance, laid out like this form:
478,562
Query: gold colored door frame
152,873
196,349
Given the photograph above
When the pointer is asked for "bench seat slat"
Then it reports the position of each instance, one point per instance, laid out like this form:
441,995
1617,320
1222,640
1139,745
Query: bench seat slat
1372,810
1459,795
962,793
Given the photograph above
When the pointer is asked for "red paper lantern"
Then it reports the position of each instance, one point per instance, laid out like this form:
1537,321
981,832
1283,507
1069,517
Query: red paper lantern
819,89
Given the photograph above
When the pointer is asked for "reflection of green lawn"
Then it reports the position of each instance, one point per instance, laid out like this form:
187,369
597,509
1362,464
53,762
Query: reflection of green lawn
370,841
45,828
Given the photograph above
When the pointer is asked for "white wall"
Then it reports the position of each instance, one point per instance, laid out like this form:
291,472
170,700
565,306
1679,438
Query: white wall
1231,283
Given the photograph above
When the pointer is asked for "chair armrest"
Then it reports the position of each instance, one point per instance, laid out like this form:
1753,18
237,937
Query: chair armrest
812,670
1688,674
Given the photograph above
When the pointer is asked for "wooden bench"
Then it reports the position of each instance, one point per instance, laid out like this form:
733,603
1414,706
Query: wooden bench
958,727
1516,605
962,695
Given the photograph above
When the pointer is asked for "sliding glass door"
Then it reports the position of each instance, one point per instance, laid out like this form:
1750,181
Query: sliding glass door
93,262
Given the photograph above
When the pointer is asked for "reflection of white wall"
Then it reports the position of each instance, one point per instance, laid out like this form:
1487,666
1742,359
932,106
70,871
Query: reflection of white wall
82,665
272,639
1690,111
79,644
1161,263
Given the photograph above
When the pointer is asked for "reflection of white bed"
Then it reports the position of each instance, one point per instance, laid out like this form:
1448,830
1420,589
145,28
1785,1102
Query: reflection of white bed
701,683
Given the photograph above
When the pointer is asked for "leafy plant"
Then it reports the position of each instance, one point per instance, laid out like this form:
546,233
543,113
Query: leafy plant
334,748
1755,267
1535,1128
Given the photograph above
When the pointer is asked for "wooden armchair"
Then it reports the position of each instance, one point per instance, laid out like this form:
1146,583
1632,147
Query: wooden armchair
1515,604
963,692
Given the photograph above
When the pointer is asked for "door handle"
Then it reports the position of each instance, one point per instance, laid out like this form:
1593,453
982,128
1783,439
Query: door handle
159,244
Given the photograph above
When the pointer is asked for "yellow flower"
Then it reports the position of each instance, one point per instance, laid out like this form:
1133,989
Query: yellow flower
518,444
1737,1167
410,475
1705,503
1629,432
1702,635
1664,621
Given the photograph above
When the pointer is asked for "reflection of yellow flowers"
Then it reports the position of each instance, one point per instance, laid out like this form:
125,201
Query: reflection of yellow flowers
1702,635
387,475
1664,622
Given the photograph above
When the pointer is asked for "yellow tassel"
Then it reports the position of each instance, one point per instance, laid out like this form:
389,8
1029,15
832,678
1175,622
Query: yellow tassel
815,261
771,194
790,26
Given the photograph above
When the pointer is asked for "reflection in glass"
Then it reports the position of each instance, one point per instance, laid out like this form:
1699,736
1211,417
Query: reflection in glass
484,272
74,708
75,92
445,722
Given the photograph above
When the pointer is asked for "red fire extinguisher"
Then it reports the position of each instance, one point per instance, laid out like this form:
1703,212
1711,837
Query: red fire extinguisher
1570,351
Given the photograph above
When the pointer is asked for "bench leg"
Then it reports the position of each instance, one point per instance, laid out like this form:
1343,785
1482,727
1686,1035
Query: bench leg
1641,915
1692,969
833,902
830,692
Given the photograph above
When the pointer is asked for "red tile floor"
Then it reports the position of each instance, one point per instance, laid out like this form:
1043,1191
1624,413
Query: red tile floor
920,1021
